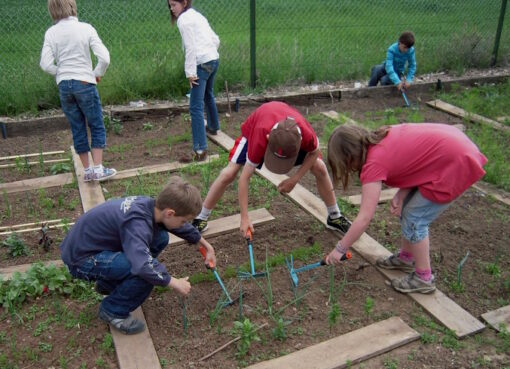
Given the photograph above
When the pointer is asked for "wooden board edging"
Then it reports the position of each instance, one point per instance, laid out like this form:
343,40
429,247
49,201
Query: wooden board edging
37,183
350,348
498,317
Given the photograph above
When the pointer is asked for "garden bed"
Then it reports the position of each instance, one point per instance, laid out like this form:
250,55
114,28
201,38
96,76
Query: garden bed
328,302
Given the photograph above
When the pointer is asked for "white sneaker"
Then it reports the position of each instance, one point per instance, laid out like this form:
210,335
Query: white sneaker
107,173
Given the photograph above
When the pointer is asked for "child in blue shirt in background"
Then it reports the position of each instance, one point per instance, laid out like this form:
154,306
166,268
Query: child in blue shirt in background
391,72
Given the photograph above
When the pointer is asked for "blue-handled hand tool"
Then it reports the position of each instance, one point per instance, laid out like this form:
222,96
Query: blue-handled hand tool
209,266
294,272
253,274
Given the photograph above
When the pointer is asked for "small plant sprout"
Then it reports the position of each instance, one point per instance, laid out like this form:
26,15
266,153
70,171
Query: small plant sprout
7,204
16,245
459,270
279,330
247,331
60,168
148,126
369,305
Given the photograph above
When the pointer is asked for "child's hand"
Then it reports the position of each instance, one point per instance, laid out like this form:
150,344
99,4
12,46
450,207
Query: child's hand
334,257
287,185
192,81
210,258
98,79
180,285
245,225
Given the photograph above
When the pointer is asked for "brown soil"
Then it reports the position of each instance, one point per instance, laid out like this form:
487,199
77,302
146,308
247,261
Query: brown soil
473,223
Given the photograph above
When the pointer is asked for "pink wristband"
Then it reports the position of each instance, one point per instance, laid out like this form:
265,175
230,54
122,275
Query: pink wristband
340,248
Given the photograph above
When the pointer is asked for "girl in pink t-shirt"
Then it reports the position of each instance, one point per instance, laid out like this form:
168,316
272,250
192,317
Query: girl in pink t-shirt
431,165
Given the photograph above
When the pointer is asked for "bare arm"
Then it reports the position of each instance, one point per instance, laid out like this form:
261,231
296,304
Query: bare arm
244,187
370,194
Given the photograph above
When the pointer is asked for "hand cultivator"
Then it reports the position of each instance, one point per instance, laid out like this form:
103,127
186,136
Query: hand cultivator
294,272
229,301
243,275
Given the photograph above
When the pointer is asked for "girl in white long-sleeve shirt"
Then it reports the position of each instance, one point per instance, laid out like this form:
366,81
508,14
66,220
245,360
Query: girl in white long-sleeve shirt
200,45
66,55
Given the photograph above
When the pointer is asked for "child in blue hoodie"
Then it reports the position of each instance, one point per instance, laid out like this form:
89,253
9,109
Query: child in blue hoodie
391,71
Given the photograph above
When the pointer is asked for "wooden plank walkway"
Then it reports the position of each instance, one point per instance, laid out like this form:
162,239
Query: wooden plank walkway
348,349
37,183
498,317
437,304
461,113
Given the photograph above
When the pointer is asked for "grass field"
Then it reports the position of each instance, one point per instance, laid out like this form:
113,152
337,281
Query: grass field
297,42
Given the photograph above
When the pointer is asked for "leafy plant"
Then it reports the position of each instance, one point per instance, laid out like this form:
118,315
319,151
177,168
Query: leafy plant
148,126
334,313
493,269
60,168
247,331
279,330
17,247
369,305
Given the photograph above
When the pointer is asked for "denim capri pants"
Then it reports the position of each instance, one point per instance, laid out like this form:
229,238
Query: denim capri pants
417,214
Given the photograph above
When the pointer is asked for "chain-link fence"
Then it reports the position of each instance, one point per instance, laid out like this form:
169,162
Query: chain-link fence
296,41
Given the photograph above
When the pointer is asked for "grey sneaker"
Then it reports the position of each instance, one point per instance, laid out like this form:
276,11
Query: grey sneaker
127,325
412,283
200,225
87,177
341,224
107,173
394,262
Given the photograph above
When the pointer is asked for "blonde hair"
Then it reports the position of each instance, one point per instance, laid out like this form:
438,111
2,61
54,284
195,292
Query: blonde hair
60,9
180,196
347,150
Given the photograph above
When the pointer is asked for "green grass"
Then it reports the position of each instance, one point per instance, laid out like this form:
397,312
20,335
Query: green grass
490,101
321,41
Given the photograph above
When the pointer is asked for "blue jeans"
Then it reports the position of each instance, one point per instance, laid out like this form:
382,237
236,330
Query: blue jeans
203,92
378,74
112,271
80,102
417,214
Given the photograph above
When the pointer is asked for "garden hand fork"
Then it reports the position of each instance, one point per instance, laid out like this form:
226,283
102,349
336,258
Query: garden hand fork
403,90
294,272
249,239
229,301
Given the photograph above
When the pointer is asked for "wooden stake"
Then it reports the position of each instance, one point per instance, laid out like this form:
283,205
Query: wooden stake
35,163
228,344
228,98
30,224
31,155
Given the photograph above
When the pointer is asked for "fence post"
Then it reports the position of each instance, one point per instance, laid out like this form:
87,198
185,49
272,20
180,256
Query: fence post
498,33
253,54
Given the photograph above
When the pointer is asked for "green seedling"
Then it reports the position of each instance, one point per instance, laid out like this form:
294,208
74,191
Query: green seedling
369,305
60,168
279,330
7,205
16,245
147,126
459,268
247,331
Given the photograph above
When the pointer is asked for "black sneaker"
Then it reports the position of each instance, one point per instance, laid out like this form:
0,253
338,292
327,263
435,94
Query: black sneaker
127,325
341,224
213,132
101,290
200,224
